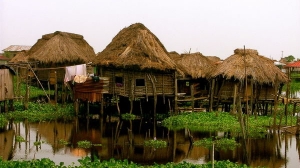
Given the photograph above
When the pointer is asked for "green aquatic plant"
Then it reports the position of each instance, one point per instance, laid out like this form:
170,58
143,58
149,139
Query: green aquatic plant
3,121
86,144
63,142
219,144
155,143
41,112
128,116
19,139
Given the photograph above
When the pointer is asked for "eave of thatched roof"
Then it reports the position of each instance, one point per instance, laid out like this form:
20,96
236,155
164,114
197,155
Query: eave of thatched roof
135,47
61,48
194,65
259,68
214,59
20,57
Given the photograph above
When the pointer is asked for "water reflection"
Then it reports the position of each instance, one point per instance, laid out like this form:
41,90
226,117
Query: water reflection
124,140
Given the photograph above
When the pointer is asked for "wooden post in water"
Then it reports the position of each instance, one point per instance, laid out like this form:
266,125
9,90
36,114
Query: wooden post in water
176,94
192,97
211,97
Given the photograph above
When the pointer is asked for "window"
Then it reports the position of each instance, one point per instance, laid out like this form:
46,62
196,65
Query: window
140,82
119,81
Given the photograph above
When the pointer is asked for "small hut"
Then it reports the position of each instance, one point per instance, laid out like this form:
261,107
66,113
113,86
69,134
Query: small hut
259,78
55,51
194,86
47,59
139,67
6,86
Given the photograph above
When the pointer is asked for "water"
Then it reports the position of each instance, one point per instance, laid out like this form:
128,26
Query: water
125,141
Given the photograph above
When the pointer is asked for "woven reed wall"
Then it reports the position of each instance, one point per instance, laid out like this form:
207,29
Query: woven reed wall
164,83
6,85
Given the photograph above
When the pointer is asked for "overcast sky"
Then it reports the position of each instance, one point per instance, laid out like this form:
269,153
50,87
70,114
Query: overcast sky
212,27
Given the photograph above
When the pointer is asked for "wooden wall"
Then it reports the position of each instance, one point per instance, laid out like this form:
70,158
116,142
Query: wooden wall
6,85
139,84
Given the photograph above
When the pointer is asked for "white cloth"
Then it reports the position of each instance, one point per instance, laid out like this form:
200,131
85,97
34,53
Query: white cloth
71,71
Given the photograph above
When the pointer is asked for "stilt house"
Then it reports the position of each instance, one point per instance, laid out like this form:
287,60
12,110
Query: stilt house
193,87
51,54
139,68
252,77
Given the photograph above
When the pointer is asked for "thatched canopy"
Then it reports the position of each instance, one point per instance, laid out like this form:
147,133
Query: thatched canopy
135,47
260,68
20,57
61,48
194,65
214,59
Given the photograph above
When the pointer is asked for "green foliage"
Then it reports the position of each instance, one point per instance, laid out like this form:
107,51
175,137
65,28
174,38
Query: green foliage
87,162
209,121
41,112
86,144
220,144
20,139
128,116
289,58
63,142
3,121
155,143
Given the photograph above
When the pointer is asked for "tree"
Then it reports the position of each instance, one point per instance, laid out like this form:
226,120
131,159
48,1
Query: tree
289,58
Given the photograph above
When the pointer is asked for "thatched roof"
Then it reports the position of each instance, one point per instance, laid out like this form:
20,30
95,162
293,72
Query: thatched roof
214,59
135,47
61,48
260,68
20,57
194,65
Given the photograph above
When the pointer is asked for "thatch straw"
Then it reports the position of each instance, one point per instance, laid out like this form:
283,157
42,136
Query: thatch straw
61,48
135,47
214,59
194,65
260,68
20,57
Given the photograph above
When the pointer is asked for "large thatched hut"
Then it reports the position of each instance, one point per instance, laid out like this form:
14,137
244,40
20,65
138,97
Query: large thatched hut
194,86
47,60
259,78
55,51
139,67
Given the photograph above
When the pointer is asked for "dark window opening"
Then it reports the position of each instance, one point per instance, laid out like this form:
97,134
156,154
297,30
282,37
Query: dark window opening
119,81
140,82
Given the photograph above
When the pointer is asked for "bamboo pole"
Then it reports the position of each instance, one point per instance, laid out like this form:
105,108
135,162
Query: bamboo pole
211,98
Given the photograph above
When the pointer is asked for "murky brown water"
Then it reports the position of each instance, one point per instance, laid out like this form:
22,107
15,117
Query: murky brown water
126,142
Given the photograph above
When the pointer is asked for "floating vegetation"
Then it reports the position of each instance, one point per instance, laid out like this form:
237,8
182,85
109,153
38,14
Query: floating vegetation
223,122
128,116
20,139
219,144
155,143
40,112
3,121
63,142
86,144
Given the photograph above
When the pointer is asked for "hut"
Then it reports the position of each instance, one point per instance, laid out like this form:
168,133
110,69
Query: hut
47,59
259,78
6,86
139,68
55,51
194,86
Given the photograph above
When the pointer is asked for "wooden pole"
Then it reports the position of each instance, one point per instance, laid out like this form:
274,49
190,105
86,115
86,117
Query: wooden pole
211,97
176,94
